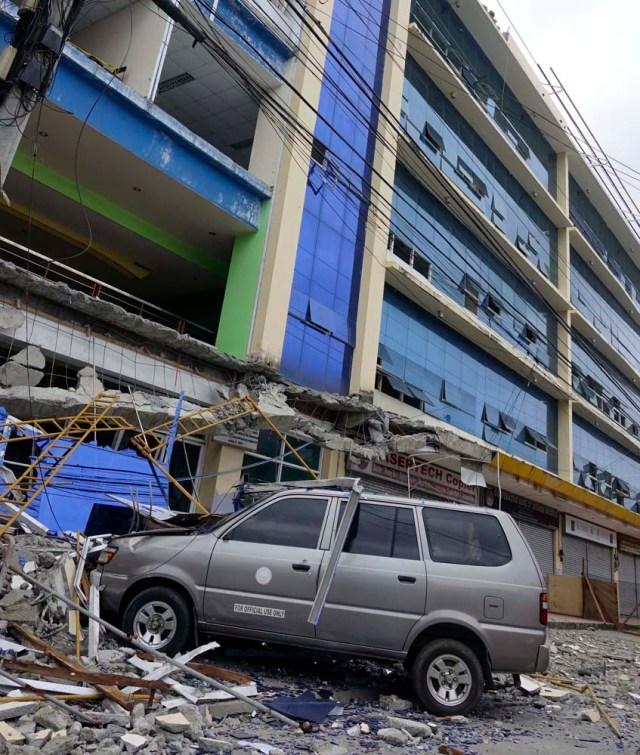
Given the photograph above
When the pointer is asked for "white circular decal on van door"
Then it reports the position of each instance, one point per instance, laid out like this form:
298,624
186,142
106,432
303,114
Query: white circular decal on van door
263,575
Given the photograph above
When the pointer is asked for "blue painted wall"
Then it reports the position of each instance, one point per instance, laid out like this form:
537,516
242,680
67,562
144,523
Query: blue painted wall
318,345
91,473
87,91
239,23
500,197
592,299
592,446
438,21
424,352
454,252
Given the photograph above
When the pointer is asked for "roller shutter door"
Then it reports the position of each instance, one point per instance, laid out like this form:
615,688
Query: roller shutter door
599,561
540,540
628,582
574,551
381,487
597,558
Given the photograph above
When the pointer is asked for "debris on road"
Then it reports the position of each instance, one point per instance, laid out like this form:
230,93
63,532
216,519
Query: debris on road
123,700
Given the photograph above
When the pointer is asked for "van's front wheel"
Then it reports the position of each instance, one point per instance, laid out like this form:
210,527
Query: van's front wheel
447,677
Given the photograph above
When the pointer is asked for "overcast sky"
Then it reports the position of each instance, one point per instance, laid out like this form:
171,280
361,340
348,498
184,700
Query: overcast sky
593,46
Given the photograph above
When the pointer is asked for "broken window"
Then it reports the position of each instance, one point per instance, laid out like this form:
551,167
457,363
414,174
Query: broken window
272,461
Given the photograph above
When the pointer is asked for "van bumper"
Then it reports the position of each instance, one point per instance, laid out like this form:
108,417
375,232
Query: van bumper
542,662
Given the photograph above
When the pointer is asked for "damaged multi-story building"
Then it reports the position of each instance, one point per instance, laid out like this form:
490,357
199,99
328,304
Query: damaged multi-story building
370,216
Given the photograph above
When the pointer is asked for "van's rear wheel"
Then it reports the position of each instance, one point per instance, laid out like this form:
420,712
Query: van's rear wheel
160,618
447,677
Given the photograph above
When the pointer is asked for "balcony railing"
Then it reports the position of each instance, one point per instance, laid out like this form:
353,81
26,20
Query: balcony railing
45,267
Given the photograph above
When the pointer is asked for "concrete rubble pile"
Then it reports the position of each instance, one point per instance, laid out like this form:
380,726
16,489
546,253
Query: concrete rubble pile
122,700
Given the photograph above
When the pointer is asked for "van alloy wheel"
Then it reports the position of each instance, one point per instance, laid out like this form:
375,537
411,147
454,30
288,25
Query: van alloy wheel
155,624
161,618
449,679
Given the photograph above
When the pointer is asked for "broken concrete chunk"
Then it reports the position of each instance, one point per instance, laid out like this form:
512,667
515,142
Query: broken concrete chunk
554,693
39,738
319,748
9,735
394,736
393,702
29,357
53,718
133,742
227,708
176,723
528,685
10,318
415,728
17,709
12,374
207,744
634,697
590,714
353,731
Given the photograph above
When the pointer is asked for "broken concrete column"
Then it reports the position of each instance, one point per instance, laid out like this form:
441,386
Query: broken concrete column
88,382
10,318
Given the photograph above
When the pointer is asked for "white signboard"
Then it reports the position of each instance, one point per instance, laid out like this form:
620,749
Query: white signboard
424,477
589,531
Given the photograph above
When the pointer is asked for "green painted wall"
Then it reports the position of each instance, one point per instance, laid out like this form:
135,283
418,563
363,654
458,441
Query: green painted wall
236,318
92,201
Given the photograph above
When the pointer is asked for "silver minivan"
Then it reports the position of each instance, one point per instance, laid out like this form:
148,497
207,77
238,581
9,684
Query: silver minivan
453,591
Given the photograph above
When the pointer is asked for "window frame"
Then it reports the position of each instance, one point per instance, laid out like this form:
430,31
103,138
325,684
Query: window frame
283,463
471,515
227,527
339,501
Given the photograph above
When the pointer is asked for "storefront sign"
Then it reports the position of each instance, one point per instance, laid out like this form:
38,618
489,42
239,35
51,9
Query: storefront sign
416,475
589,531
628,545
247,439
525,510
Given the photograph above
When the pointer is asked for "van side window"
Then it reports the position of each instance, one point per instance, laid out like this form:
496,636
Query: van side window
387,531
459,537
292,522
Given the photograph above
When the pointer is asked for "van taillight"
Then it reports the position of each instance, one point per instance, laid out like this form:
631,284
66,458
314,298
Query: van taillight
544,608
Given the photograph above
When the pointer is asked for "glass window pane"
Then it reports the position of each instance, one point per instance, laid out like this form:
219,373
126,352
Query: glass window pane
387,531
458,537
372,530
292,522
405,542
266,471
291,474
310,453
268,443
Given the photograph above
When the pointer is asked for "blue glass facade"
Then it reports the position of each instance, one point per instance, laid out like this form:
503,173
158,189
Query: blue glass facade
439,22
598,234
457,256
602,385
603,466
592,299
466,388
318,344
455,148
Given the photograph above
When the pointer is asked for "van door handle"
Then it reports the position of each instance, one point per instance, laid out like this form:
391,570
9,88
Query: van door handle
301,567
405,578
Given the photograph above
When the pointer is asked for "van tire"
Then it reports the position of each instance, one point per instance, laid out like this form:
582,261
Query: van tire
457,681
161,604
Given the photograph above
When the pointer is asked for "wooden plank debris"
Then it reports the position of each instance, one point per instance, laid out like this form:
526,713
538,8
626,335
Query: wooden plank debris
110,692
208,669
85,676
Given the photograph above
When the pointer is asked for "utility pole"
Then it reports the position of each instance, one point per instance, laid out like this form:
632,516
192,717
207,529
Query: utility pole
27,66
